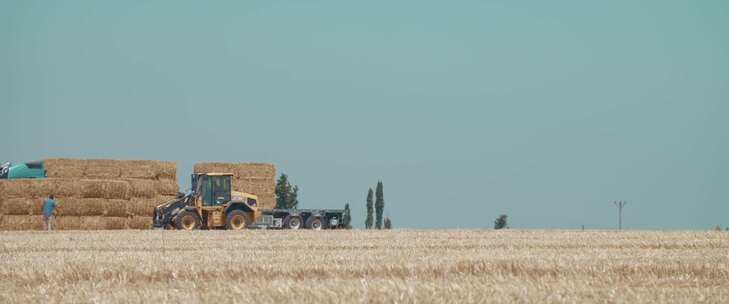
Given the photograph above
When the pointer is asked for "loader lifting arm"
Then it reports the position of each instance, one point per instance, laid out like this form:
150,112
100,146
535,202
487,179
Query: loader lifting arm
164,213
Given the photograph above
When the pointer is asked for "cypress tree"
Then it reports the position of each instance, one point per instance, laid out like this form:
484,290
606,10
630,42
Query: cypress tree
347,217
370,209
379,204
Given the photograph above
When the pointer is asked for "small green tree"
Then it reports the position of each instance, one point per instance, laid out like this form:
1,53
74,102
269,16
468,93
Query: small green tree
388,223
347,217
293,201
500,222
286,194
379,204
370,209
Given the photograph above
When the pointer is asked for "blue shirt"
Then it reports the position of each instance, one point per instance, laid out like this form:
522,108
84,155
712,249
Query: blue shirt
48,206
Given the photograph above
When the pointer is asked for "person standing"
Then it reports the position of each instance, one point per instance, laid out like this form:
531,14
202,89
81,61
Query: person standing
49,208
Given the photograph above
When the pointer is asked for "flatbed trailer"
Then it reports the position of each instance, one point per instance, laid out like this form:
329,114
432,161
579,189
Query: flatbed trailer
300,218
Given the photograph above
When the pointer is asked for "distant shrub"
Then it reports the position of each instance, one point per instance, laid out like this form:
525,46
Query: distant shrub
501,222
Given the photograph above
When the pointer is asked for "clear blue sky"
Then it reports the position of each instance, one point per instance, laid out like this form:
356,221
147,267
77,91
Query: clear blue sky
544,110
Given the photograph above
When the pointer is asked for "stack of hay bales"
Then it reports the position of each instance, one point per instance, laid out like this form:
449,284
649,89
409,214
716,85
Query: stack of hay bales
253,178
91,194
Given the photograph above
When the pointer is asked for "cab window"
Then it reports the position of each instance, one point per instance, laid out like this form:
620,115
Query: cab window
221,189
207,191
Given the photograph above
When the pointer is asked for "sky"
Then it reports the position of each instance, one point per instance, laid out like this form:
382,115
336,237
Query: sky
547,111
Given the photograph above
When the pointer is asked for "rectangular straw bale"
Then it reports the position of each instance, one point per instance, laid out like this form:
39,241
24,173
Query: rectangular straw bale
167,187
21,222
266,202
13,188
145,206
168,170
139,222
239,170
102,169
81,206
144,169
253,187
140,169
68,223
261,179
115,223
27,188
21,206
90,188
100,188
109,168
148,169
150,188
260,171
64,167
256,170
116,207
2,188
92,222
141,188
66,187
89,222
214,167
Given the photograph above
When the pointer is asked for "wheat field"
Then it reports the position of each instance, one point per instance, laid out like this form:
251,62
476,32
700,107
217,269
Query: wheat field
398,266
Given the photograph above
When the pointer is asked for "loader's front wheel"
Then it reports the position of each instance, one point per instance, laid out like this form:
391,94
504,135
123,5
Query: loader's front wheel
187,220
237,220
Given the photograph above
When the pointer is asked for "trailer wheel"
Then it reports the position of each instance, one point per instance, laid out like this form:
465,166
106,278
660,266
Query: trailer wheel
187,220
292,222
237,220
314,223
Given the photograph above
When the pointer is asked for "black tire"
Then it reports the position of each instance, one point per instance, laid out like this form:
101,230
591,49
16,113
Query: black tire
314,223
292,222
237,220
187,220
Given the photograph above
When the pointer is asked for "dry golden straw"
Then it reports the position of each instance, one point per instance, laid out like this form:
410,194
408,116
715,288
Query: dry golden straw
398,266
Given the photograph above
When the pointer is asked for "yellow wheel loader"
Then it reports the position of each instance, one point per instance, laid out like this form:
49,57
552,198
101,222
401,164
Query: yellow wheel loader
212,204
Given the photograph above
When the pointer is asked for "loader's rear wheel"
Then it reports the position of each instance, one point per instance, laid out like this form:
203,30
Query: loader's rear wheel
313,223
292,222
187,220
237,220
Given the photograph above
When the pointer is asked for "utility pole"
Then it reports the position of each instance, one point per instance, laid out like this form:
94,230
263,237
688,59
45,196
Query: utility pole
620,205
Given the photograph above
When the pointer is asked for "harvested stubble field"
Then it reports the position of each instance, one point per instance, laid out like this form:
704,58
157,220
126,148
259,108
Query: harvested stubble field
426,266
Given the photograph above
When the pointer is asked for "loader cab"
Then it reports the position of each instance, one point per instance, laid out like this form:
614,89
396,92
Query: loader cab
213,188
216,205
